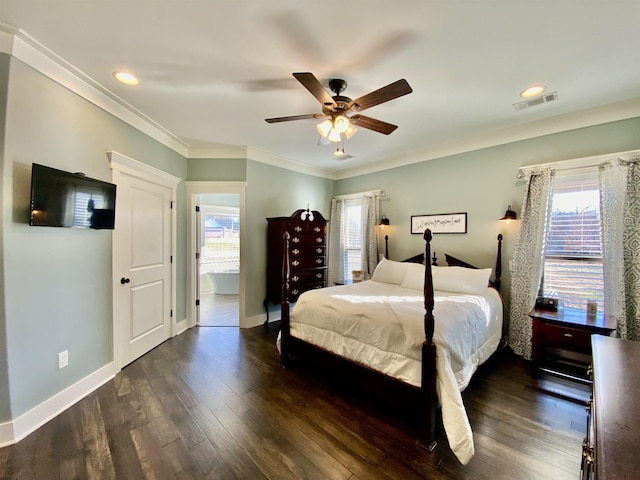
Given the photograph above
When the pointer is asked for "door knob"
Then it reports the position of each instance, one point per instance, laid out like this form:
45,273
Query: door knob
124,280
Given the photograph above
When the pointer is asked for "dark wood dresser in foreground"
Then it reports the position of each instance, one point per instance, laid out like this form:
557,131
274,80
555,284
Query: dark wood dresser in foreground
611,449
308,254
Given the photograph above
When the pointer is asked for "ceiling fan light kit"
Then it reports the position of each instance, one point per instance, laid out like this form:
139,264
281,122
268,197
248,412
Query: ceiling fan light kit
339,108
324,128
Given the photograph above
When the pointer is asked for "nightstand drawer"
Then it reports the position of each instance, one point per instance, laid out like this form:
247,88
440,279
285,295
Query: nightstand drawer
558,335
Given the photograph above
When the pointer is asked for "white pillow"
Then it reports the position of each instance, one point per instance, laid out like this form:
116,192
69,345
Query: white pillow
414,276
389,271
462,280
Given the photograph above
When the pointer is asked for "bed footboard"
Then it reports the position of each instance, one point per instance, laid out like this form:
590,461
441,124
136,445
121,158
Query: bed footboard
386,388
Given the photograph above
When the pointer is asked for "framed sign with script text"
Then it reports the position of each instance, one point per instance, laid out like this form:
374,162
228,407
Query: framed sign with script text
440,223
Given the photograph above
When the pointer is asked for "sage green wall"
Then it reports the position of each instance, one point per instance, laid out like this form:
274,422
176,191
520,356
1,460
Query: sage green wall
57,281
218,169
5,399
271,192
482,183
275,192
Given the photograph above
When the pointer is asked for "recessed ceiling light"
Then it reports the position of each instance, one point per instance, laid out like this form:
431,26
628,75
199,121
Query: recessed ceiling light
126,78
532,91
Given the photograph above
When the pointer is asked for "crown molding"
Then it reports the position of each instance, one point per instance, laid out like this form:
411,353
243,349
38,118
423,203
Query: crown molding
18,44
250,153
562,123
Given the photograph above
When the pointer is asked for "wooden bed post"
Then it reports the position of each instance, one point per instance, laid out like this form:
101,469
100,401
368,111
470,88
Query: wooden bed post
496,282
284,306
427,433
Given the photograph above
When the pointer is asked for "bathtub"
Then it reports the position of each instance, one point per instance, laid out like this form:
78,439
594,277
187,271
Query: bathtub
225,283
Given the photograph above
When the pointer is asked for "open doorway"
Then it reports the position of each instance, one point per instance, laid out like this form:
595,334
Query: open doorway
218,264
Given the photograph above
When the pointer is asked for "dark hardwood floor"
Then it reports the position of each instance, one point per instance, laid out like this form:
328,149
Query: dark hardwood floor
214,403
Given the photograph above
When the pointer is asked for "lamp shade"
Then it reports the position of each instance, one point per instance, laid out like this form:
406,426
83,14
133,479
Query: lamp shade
324,128
509,215
334,135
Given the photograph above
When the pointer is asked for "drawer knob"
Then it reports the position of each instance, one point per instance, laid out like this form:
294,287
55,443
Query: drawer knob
568,335
318,275
295,240
295,292
317,229
319,261
318,250
295,251
295,278
295,263
298,229
319,239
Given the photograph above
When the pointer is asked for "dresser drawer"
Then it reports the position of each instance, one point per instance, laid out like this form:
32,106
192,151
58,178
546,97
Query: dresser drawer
300,229
307,262
296,291
559,335
307,251
307,239
307,276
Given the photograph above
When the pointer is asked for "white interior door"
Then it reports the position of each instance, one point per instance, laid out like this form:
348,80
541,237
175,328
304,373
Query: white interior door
143,287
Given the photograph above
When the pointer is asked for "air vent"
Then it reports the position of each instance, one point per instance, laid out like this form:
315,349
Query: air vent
343,157
549,97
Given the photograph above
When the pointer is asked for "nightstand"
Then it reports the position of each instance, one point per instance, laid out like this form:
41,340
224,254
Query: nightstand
567,330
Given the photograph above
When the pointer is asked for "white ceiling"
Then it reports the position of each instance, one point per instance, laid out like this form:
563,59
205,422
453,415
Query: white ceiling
211,71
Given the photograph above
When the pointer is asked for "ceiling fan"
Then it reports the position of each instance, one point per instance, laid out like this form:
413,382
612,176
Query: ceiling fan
340,112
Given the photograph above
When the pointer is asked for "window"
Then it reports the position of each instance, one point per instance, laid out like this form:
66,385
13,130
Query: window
220,251
353,237
573,248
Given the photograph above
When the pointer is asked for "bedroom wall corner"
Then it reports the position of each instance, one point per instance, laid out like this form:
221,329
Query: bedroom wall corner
481,183
274,192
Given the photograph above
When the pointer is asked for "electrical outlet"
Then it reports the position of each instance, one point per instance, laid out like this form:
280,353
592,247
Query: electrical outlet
63,359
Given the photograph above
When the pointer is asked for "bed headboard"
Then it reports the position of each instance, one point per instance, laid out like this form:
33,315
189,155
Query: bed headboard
456,262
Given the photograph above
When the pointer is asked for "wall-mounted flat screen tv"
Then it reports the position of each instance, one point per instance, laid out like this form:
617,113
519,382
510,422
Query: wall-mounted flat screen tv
72,200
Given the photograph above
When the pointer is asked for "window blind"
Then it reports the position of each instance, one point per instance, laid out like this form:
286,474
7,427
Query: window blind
573,247
353,240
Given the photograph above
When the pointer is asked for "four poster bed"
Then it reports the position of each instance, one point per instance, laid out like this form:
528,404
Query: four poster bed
382,338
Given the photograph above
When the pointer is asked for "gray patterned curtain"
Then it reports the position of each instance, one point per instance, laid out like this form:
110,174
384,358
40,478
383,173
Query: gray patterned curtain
620,216
336,242
369,236
528,260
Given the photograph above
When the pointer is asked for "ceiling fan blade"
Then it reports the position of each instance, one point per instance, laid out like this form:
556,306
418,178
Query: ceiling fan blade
294,117
384,94
373,124
311,83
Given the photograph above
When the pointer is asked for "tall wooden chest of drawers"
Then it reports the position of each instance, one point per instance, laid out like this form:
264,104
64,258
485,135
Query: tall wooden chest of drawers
610,450
308,253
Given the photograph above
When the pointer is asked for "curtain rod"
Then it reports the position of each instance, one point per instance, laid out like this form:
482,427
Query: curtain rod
348,196
578,163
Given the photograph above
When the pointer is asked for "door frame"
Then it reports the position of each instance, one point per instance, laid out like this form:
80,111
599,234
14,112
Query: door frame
193,190
121,164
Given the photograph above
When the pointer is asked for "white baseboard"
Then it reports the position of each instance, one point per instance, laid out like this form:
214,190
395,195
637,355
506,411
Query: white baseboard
250,322
15,430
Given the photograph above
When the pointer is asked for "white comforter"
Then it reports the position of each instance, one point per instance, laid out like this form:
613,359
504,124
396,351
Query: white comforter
381,325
